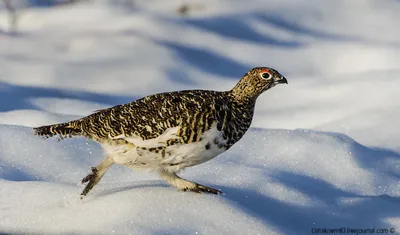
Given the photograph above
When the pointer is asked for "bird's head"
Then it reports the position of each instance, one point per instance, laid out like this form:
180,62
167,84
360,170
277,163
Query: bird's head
255,82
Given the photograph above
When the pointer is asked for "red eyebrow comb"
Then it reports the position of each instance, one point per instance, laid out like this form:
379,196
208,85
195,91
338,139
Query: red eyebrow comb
265,70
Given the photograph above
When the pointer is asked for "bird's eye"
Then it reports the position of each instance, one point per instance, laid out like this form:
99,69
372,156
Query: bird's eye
265,75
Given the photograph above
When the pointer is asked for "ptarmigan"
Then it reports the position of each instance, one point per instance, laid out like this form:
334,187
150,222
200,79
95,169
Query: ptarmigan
168,132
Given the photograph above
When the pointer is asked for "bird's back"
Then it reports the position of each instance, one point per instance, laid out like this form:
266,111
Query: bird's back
151,116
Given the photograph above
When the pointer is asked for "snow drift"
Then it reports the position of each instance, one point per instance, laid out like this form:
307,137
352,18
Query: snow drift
275,181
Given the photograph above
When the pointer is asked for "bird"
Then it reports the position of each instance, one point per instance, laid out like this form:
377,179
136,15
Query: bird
168,132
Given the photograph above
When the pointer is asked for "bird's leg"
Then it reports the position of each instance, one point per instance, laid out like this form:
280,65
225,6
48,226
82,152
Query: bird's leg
186,185
96,175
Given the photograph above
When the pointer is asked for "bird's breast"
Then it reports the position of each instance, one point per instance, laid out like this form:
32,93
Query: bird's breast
211,144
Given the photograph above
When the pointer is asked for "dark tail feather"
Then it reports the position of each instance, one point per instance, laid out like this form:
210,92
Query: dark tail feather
63,130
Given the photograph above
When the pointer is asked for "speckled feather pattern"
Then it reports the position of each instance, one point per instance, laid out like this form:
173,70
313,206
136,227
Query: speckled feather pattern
193,111
173,130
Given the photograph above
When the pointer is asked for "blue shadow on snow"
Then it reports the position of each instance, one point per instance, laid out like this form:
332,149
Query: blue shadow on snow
13,97
362,212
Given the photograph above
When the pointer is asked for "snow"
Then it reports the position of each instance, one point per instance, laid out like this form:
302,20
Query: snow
323,151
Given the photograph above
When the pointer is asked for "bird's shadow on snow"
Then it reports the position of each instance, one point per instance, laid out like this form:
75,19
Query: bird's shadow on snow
136,185
330,212
14,97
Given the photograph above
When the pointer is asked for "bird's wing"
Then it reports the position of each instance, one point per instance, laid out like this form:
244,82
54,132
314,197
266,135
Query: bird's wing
161,118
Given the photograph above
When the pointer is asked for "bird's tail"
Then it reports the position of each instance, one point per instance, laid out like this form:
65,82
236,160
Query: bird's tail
63,130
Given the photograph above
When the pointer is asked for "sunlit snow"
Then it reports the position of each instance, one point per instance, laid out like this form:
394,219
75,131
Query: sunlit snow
323,151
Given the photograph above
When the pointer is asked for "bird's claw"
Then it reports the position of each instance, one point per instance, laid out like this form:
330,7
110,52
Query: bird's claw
91,176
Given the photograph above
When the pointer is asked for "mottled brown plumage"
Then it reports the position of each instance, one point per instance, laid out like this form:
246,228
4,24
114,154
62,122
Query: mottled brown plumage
153,132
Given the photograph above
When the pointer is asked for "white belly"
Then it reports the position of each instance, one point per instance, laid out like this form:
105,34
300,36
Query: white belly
195,153
176,156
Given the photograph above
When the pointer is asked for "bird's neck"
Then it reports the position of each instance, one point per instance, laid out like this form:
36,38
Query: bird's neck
243,94
234,117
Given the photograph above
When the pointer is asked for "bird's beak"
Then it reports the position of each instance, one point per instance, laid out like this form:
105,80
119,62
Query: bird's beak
281,79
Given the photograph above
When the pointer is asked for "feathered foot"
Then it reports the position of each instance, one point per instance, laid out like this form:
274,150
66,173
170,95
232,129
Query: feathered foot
96,175
186,185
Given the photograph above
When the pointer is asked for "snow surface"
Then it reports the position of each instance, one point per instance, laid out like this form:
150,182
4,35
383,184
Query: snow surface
324,151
